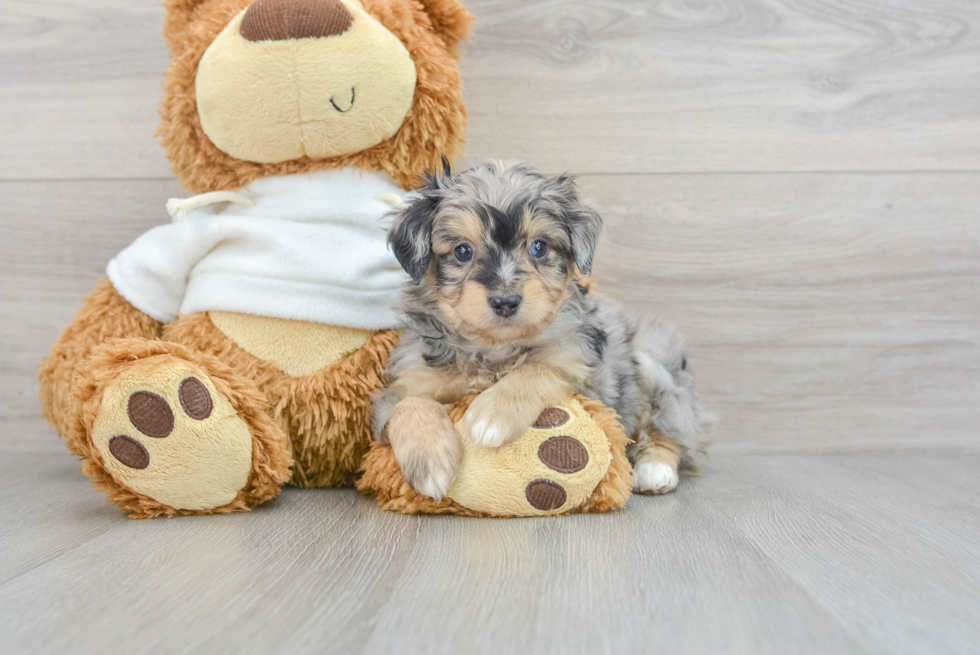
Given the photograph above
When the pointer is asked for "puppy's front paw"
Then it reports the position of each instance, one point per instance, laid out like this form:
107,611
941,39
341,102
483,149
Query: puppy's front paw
428,472
425,446
654,478
491,423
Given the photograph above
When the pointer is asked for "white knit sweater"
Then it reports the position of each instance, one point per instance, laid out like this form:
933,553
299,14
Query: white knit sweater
311,247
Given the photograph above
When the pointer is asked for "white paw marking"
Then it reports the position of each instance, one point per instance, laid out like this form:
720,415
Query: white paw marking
655,477
435,486
487,433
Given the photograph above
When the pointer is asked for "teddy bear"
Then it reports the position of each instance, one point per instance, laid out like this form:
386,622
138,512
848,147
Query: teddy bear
236,348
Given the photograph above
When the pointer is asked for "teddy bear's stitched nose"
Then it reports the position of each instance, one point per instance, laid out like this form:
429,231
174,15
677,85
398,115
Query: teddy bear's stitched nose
278,20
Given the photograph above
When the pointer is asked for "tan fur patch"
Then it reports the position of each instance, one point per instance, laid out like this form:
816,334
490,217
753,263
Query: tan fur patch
451,230
297,348
470,313
444,385
569,364
513,403
537,226
651,448
424,443
471,309
541,303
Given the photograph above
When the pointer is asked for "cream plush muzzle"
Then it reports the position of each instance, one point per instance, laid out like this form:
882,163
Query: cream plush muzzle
276,100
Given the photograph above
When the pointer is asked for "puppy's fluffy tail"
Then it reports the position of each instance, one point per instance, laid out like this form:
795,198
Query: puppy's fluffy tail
677,410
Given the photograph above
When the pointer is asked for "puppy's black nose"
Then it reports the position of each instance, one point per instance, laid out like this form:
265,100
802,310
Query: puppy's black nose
505,305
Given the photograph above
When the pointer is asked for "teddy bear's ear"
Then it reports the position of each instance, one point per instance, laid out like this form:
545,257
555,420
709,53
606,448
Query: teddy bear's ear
450,20
180,14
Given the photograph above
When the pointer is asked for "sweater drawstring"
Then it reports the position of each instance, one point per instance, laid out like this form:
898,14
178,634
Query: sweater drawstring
393,200
178,207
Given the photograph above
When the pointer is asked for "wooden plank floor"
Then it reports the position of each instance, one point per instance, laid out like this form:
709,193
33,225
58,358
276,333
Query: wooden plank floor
794,183
768,553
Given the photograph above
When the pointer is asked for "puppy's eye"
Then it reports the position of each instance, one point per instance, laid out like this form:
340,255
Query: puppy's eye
463,252
539,249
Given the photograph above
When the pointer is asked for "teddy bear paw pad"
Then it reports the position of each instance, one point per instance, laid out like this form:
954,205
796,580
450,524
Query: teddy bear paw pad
166,432
545,495
563,454
552,468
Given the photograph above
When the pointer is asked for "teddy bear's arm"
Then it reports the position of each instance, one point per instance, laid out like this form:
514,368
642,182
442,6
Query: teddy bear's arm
106,315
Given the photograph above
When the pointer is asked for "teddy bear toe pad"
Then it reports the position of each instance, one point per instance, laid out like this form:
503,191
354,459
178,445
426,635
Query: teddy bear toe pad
552,468
563,454
167,433
545,495
129,451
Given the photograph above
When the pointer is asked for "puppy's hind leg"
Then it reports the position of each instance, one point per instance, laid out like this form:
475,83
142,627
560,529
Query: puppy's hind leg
670,435
425,445
672,423
655,462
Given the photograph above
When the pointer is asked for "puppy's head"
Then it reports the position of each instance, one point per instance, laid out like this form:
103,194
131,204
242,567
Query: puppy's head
498,245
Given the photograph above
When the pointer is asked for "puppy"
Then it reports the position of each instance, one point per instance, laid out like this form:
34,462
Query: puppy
496,308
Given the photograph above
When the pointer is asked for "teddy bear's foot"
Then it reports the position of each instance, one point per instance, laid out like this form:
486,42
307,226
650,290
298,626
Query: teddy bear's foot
572,460
174,432
552,468
166,432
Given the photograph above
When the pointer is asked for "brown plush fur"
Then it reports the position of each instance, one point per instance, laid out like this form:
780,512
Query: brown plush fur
449,20
105,315
434,126
327,415
270,450
383,477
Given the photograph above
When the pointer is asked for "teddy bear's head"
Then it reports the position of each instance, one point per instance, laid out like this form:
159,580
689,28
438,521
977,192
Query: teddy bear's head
270,87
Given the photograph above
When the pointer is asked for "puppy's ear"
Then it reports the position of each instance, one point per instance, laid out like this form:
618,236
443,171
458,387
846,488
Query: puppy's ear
410,236
583,223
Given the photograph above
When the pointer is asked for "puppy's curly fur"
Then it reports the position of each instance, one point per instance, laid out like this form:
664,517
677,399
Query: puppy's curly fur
496,307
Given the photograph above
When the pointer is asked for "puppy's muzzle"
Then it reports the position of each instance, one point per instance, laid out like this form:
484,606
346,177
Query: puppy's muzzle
505,306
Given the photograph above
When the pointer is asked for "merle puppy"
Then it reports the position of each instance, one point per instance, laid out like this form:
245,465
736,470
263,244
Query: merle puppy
497,307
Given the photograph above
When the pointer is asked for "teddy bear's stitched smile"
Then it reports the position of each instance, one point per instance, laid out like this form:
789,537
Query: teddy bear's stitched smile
344,111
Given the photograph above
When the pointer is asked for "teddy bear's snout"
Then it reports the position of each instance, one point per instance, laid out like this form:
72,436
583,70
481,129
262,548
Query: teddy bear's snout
279,20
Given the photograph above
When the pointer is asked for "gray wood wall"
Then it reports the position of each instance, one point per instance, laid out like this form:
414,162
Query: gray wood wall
794,183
